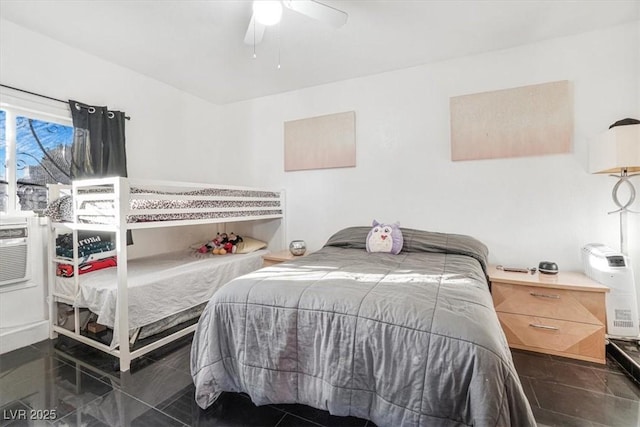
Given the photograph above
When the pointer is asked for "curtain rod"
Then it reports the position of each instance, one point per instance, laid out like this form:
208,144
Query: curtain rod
43,96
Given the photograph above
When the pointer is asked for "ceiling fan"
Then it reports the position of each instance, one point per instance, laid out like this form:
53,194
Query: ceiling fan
267,13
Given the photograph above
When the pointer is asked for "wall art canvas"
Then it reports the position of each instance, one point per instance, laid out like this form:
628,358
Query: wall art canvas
524,121
320,142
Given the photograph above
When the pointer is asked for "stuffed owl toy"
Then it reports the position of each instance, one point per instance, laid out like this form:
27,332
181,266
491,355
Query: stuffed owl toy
385,238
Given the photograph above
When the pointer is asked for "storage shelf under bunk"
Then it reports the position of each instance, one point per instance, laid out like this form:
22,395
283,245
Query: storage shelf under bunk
135,352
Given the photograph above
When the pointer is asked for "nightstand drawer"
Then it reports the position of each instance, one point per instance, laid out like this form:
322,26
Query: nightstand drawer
579,340
561,304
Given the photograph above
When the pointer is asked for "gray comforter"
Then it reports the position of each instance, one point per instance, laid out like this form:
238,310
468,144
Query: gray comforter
403,340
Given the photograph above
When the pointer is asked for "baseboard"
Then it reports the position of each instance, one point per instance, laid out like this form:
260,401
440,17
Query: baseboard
22,336
627,355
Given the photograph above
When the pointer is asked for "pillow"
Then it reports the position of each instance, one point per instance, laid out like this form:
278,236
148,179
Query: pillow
60,210
350,238
385,238
249,245
446,243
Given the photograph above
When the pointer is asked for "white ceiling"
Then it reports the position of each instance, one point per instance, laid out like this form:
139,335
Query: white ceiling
197,46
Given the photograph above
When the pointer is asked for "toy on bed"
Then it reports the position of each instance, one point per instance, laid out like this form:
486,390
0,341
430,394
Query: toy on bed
385,238
221,244
231,245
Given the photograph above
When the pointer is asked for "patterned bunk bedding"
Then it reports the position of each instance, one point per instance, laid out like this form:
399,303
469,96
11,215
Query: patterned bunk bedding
403,340
61,209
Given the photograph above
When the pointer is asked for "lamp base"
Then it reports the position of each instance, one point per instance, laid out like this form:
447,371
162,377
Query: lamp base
623,208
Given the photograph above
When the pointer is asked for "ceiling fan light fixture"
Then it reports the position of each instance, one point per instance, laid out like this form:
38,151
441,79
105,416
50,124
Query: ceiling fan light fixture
267,12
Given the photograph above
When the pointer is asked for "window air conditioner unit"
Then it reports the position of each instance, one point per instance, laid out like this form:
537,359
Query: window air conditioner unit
14,253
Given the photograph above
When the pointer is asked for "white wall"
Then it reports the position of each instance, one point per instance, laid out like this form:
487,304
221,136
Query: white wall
20,327
525,209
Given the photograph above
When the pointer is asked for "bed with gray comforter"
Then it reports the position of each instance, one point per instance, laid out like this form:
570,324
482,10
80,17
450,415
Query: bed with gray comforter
403,340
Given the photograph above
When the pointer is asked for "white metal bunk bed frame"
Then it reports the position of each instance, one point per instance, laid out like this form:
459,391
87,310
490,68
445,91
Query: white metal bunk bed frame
120,196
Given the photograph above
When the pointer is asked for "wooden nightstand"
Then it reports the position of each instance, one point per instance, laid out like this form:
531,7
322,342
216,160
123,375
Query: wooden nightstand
562,314
273,258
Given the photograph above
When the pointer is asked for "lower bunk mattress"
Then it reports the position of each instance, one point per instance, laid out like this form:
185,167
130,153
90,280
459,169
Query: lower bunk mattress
158,286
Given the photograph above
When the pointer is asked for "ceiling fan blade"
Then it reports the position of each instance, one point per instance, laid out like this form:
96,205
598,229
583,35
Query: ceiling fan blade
258,28
318,11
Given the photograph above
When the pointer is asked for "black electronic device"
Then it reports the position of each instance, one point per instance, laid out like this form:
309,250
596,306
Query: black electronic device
548,267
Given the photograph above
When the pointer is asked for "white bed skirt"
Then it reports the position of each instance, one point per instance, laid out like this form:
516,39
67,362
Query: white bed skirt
158,286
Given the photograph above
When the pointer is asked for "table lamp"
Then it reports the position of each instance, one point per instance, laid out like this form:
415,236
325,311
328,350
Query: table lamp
618,151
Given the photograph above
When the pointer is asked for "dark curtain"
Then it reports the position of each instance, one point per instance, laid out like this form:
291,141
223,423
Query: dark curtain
98,149
99,142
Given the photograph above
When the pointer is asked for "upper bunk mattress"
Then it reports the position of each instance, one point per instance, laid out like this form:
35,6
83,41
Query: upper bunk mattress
158,286
260,203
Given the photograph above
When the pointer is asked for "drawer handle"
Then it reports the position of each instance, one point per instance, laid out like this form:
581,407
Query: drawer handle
535,294
550,328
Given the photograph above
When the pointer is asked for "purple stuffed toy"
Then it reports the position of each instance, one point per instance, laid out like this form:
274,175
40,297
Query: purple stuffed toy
385,238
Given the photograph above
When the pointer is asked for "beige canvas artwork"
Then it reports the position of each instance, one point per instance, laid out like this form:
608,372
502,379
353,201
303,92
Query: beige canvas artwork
320,142
525,121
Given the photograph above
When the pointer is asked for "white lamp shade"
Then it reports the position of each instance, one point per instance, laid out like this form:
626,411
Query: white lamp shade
616,149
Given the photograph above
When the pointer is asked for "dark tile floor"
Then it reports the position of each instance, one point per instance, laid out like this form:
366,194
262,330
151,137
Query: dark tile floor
627,354
77,386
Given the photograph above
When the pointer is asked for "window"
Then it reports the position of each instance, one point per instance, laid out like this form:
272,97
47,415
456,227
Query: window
35,150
